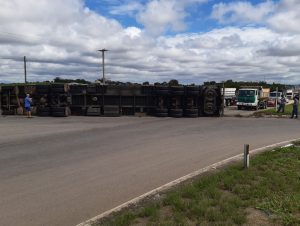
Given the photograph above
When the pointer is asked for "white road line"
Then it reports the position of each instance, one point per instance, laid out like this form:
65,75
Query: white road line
178,181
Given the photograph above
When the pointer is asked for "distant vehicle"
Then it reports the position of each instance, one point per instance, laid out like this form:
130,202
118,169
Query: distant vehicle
254,97
272,99
290,94
275,94
271,103
229,96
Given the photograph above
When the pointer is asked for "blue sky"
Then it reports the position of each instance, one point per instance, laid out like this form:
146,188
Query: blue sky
151,40
198,17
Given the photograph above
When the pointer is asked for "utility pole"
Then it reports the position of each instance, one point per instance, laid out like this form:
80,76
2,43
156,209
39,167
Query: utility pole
103,77
25,72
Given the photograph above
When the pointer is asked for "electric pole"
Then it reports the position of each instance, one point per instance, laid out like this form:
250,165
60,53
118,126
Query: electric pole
103,77
25,72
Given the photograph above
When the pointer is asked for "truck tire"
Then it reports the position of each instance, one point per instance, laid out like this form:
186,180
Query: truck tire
42,89
162,90
177,90
192,90
239,107
111,111
43,111
59,111
8,112
58,88
191,113
176,113
161,112
210,94
77,89
93,111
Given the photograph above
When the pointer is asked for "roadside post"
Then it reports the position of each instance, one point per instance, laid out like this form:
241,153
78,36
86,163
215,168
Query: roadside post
276,99
223,99
246,156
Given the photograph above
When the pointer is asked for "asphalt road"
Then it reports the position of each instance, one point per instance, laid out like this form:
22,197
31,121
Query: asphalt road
233,111
62,171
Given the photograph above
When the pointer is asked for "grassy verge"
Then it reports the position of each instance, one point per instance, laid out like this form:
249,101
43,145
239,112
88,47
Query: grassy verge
268,193
272,111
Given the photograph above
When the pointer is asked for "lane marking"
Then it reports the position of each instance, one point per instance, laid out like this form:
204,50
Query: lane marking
179,180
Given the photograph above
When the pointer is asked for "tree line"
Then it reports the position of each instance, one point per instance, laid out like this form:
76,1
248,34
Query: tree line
173,82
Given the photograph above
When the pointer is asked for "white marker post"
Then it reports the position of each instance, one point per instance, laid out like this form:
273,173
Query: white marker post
246,156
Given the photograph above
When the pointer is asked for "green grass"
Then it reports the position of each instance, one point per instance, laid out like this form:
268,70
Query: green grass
272,111
271,186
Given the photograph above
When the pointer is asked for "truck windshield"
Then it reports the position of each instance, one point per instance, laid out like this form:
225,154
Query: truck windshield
273,94
244,93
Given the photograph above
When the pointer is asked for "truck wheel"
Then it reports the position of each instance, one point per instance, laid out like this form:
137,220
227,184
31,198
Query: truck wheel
176,113
192,90
239,107
43,111
161,112
191,113
59,111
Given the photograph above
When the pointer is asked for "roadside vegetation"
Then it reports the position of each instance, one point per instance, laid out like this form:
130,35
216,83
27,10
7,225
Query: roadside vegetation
268,193
272,111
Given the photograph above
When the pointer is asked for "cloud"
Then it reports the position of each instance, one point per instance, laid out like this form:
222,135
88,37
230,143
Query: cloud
57,32
288,46
282,16
131,8
287,17
160,16
61,38
242,12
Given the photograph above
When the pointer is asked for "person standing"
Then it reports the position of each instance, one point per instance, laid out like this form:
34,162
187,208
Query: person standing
27,105
295,107
282,102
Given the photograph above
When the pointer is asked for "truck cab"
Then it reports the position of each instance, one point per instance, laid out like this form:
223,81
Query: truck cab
251,98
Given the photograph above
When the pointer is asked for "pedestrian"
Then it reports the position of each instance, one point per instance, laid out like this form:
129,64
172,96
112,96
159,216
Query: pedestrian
27,105
295,107
282,102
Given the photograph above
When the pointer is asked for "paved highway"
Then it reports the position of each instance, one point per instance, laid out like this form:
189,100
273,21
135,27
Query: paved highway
62,171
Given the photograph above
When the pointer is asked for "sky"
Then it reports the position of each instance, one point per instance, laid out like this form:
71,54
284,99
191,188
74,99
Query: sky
151,40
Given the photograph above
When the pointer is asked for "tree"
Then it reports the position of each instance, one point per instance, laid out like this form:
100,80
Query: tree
63,80
210,83
173,82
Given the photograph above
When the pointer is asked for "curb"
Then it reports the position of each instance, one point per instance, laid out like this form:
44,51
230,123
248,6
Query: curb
179,180
258,116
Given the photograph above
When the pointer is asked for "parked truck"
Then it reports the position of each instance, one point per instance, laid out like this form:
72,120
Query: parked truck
229,96
252,97
290,94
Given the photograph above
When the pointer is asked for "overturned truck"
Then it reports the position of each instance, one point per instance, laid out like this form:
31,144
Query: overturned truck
111,100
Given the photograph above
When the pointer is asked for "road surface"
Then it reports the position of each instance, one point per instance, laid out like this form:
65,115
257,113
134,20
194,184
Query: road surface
62,171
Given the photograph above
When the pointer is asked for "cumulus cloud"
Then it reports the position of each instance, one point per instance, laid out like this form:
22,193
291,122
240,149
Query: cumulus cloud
287,17
61,38
159,16
58,32
131,8
242,12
